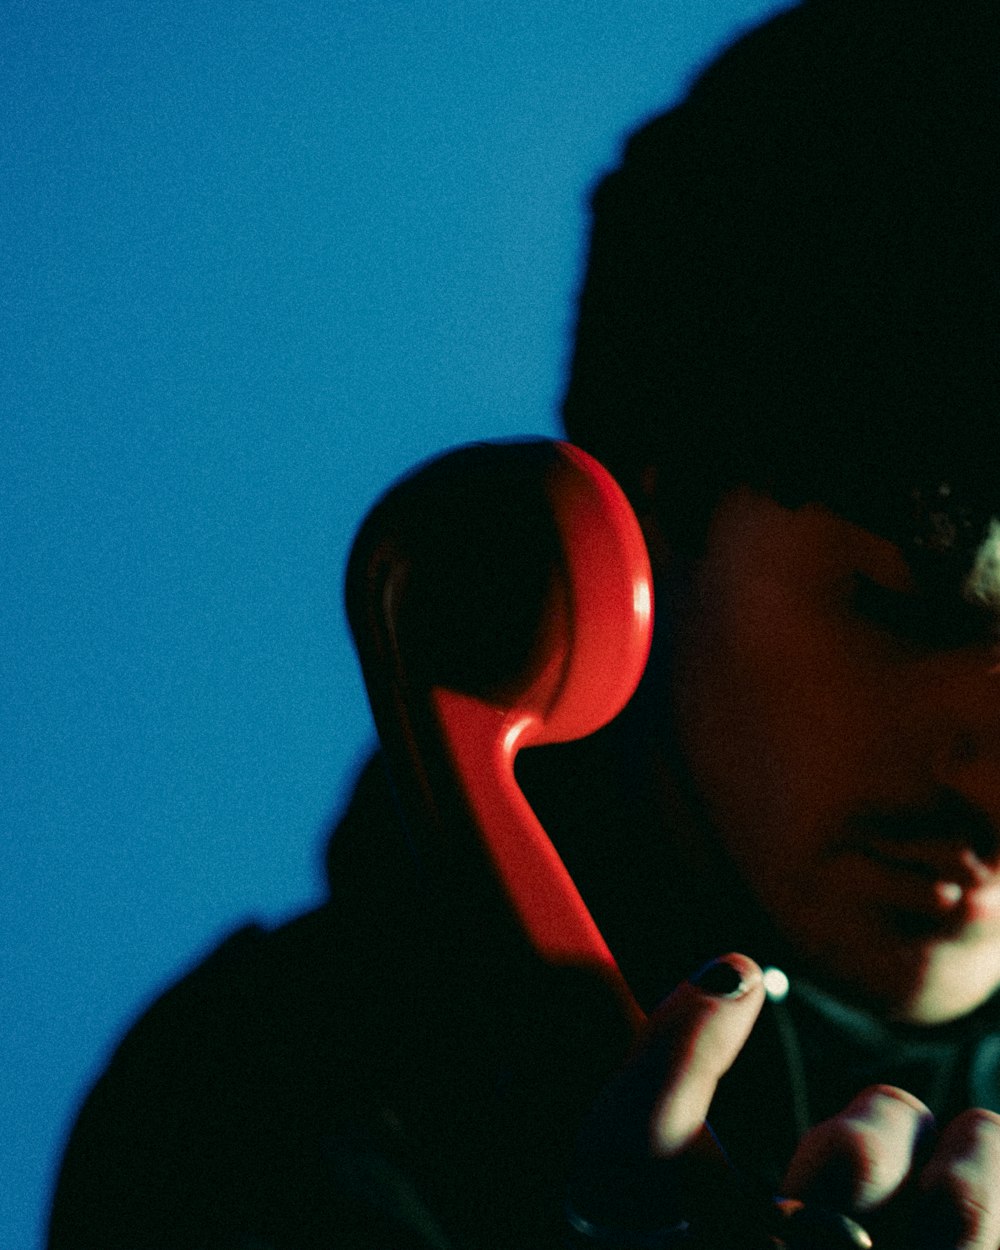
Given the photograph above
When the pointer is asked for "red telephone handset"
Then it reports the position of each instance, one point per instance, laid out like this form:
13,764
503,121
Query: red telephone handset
500,597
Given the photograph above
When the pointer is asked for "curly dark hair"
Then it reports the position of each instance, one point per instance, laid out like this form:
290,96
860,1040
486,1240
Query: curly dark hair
793,280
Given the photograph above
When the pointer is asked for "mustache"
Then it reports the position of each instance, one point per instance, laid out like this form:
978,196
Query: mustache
948,819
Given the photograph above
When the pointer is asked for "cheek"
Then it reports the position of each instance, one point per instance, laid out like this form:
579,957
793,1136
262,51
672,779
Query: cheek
783,733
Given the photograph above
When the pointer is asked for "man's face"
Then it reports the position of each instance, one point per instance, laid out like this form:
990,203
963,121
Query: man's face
849,757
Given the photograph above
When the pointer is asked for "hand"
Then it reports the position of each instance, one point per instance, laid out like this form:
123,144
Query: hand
883,1160
647,1162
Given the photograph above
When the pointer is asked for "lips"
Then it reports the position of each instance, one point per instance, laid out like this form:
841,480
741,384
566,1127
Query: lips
934,878
934,860
935,864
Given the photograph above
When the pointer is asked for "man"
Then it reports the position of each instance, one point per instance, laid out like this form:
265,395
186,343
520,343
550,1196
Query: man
786,352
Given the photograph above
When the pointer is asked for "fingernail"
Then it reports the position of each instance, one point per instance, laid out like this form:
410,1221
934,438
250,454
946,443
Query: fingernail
721,979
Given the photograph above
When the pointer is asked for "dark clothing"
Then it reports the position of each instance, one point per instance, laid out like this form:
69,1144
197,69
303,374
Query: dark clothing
388,1072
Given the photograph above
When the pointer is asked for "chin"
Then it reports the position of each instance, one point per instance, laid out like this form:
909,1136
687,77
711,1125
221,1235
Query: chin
903,968
924,980
954,978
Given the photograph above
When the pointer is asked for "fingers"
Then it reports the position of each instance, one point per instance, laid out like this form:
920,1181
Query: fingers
862,1157
960,1187
697,1034
656,1107
660,1100
868,1160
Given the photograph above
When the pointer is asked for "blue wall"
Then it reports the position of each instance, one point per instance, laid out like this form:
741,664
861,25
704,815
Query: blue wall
257,258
